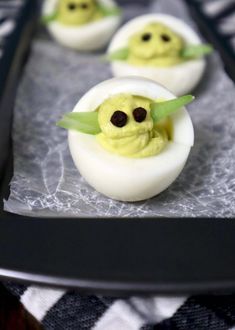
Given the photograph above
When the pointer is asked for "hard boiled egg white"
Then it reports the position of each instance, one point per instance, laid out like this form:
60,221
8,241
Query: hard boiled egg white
180,78
124,178
87,37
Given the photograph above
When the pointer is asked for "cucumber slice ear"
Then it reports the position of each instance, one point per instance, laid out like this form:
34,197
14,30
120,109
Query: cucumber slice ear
118,55
84,122
109,11
163,109
48,18
195,51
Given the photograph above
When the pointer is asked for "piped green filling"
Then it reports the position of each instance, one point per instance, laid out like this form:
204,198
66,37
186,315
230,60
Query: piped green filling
128,125
156,45
79,12
135,139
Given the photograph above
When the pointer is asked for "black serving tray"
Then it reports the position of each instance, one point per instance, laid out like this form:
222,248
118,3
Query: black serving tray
211,24
111,256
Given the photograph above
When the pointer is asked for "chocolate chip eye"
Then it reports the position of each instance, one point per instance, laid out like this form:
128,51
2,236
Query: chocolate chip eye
139,114
146,36
71,6
84,5
119,118
165,37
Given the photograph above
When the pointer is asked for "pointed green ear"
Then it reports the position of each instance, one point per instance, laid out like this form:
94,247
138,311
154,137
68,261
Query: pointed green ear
118,55
109,11
84,122
163,109
49,18
195,51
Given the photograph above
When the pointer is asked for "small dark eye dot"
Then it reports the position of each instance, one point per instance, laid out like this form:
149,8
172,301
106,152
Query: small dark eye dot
84,5
165,37
146,36
119,118
139,114
72,6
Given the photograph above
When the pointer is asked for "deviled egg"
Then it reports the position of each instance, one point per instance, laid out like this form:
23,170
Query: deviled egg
159,47
129,137
84,25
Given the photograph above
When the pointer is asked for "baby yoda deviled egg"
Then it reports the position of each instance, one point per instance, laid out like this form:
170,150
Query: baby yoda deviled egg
159,47
84,25
129,137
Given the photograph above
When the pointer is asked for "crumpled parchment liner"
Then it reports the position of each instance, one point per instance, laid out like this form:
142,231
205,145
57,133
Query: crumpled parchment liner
45,180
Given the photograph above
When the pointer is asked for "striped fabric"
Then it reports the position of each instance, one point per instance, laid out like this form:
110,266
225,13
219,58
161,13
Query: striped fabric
8,15
68,310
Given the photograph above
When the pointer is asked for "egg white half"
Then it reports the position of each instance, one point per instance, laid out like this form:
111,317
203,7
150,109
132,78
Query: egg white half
87,37
123,178
180,78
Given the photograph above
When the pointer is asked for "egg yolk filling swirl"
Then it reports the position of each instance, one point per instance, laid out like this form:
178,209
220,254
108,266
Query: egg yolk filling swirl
127,128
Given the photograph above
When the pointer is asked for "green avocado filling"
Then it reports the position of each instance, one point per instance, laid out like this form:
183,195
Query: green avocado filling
79,12
155,45
128,125
127,128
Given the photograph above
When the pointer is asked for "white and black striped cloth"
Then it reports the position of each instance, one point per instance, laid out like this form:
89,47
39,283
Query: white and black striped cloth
68,310
8,15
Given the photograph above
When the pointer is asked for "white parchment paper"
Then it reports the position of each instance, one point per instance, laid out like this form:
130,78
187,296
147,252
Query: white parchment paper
45,180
